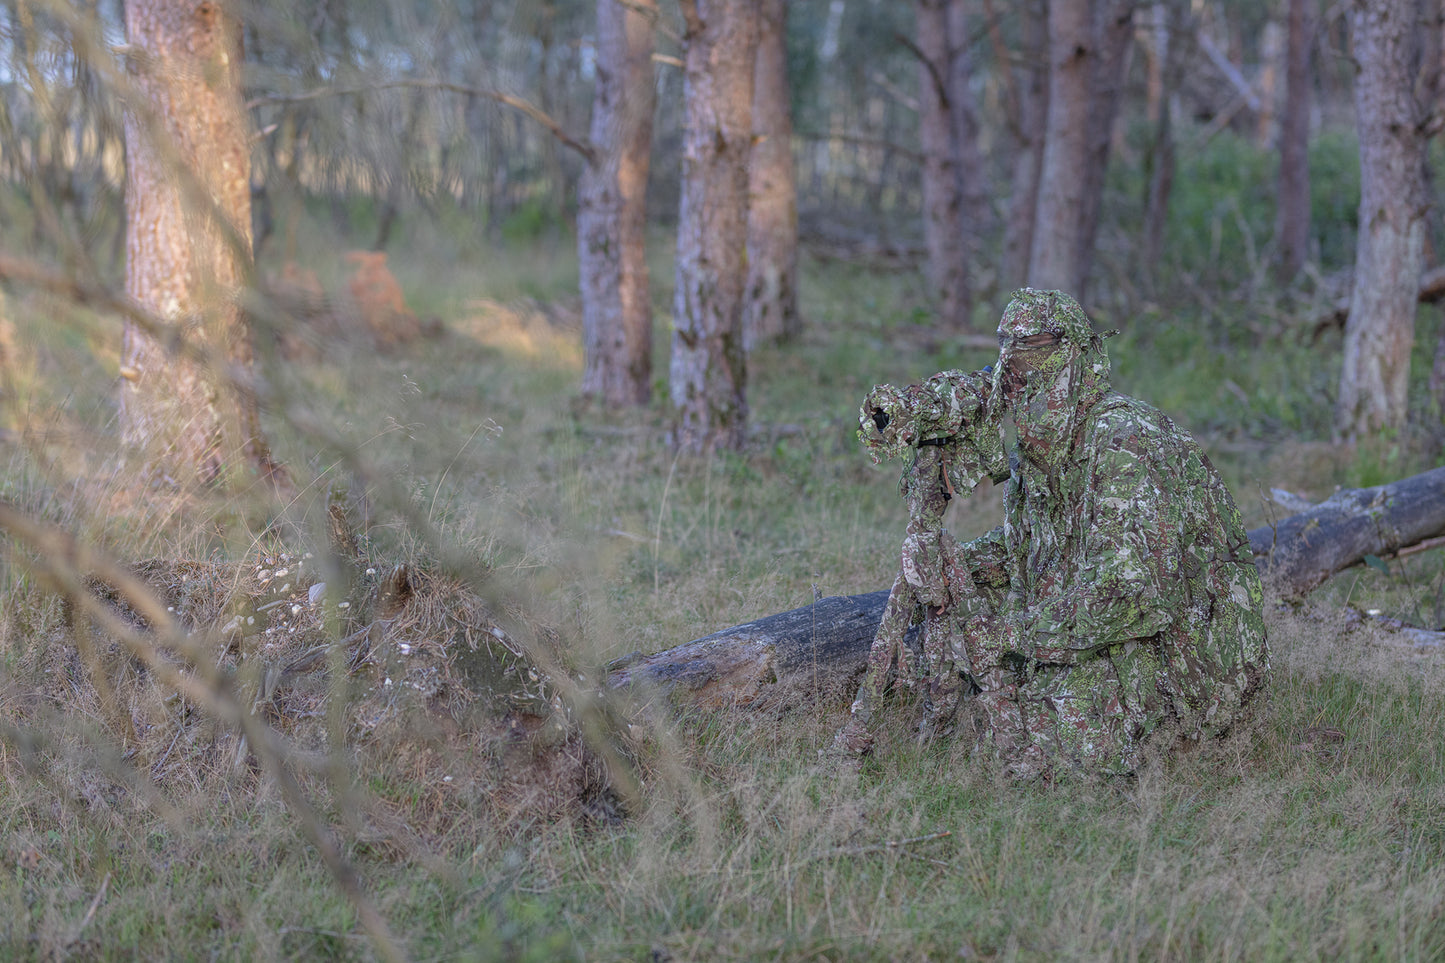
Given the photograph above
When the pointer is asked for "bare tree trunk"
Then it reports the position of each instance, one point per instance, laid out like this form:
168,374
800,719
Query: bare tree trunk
1292,216
1389,252
972,171
1054,260
612,210
943,226
709,365
188,243
1272,50
1027,91
1168,63
770,312
1113,30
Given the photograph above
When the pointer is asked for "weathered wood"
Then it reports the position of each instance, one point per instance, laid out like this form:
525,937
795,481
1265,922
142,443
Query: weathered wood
816,649
1298,553
822,649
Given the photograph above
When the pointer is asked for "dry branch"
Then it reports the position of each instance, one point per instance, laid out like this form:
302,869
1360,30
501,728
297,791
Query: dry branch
822,649
486,93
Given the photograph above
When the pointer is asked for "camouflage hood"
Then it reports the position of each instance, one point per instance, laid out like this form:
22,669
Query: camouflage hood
1052,369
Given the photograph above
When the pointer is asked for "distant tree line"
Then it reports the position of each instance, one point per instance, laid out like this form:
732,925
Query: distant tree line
975,136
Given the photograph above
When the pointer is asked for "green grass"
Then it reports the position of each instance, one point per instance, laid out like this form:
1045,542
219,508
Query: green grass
1312,835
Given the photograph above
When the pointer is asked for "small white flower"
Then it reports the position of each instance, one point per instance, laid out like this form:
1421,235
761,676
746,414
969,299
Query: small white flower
371,571
343,605
295,610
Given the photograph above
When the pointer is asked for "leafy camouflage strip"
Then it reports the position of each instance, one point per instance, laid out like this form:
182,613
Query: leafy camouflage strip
953,440
1119,598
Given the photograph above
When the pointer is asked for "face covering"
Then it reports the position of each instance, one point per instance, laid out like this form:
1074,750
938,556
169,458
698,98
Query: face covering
1052,368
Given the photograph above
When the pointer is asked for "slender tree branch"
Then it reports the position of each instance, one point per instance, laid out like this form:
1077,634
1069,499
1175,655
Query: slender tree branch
940,86
588,152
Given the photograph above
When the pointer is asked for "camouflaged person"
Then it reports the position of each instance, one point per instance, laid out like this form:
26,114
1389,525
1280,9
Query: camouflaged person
1119,600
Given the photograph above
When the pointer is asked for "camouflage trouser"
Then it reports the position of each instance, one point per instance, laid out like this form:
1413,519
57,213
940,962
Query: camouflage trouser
1091,710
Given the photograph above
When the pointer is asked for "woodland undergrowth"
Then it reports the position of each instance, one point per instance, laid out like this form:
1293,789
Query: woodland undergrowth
366,808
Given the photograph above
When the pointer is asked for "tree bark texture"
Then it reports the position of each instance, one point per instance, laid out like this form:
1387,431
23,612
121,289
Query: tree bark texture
1292,216
1054,258
816,650
188,243
612,209
770,312
943,221
709,365
1113,31
1168,64
1390,249
1027,92
972,170
822,649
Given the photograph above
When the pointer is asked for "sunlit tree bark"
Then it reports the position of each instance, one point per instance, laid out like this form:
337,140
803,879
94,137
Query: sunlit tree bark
709,367
1390,248
612,210
771,309
188,245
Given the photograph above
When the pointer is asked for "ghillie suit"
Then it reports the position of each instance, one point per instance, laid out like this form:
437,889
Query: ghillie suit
954,440
1119,599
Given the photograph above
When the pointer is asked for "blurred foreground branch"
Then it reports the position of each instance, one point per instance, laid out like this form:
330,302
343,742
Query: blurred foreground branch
186,664
517,103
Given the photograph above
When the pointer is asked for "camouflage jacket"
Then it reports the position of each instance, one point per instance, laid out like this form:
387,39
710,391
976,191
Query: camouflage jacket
1130,548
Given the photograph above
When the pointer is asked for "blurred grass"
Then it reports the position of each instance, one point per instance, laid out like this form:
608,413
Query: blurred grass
1314,835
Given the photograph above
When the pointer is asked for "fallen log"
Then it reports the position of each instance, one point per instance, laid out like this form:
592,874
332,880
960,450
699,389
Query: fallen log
821,649
817,650
1297,554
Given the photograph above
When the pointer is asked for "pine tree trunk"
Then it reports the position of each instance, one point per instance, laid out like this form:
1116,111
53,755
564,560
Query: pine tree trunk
1168,24
943,227
709,365
771,310
1029,92
612,210
188,244
1054,260
1292,216
1389,252
1113,30
970,166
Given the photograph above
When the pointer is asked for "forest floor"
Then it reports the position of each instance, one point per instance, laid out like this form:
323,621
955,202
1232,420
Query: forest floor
1313,833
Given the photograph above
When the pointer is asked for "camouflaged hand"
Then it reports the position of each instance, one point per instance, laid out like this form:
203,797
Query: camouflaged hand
953,437
952,411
